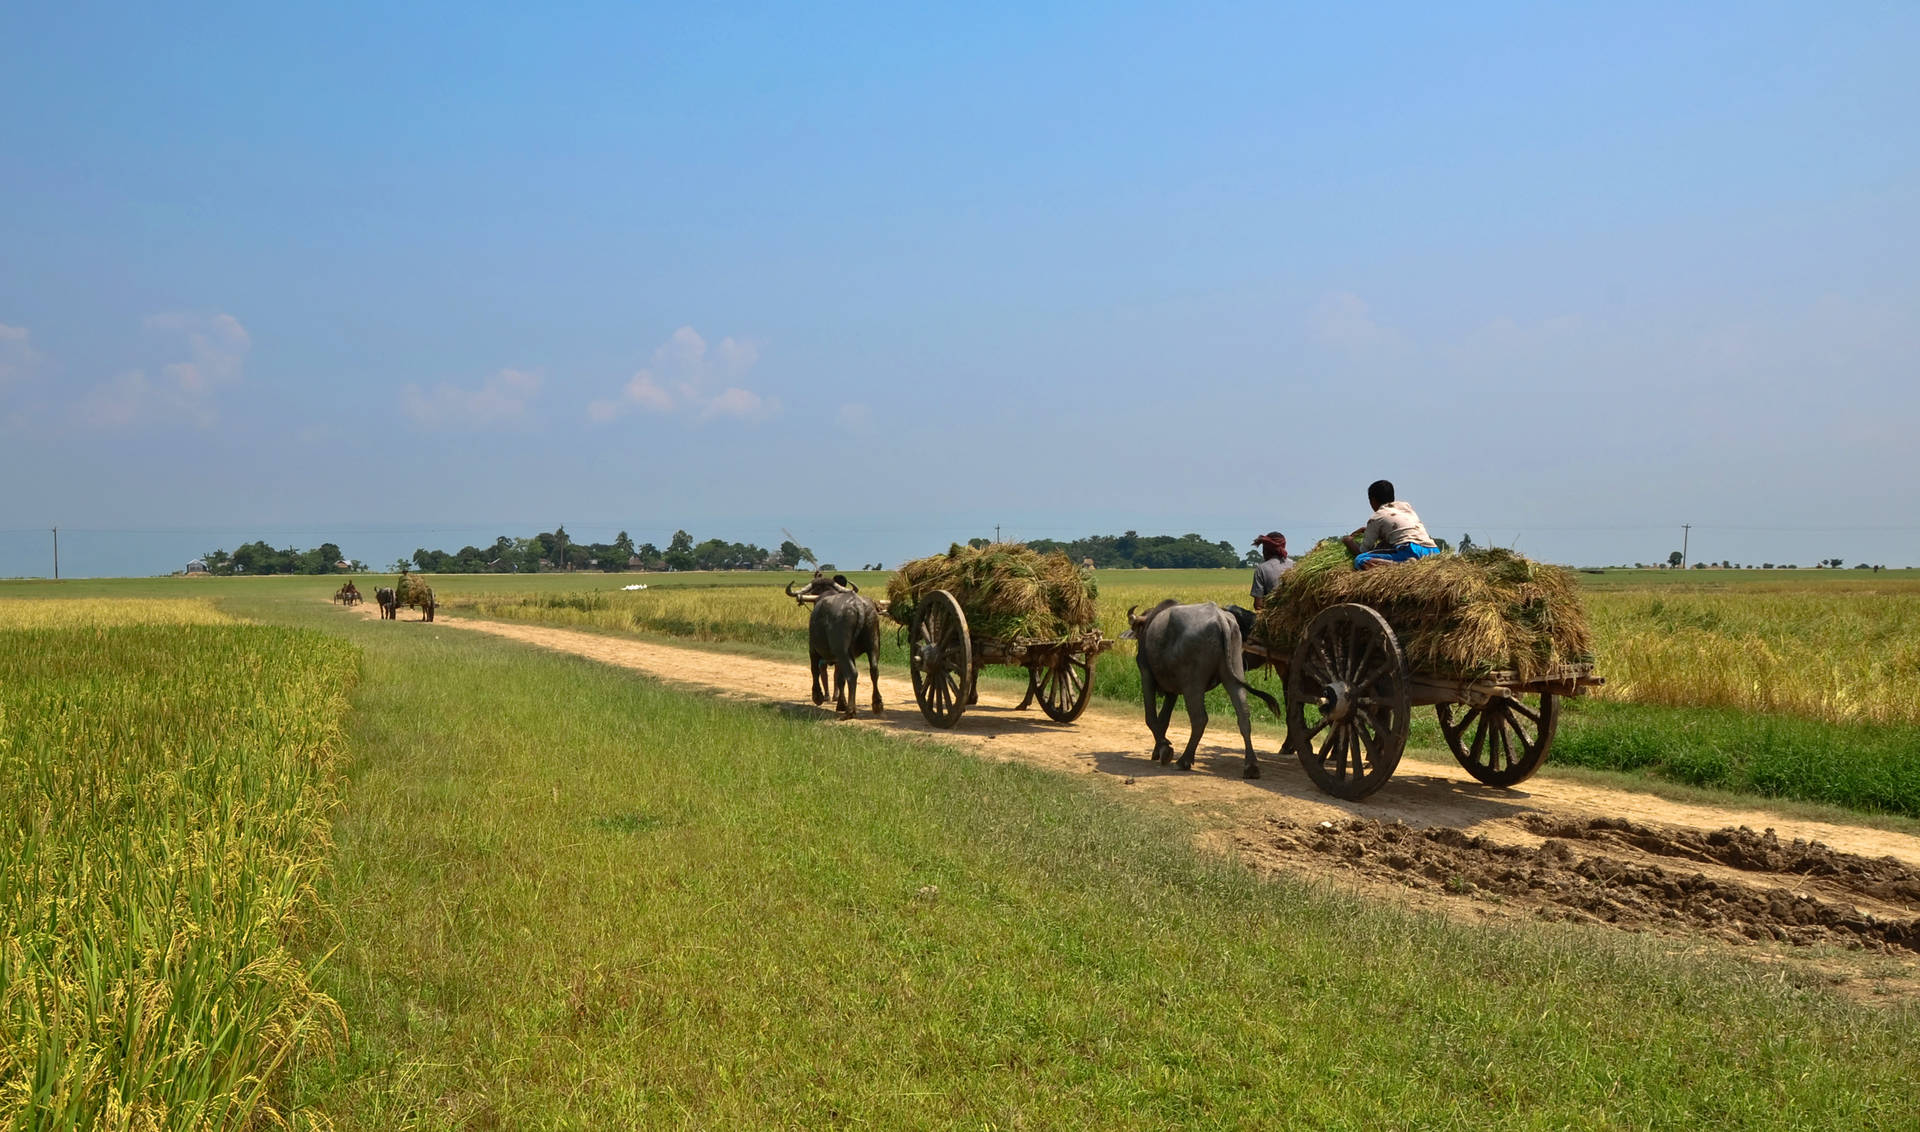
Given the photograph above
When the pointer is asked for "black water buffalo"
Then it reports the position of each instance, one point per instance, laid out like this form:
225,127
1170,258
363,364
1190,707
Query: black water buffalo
389,604
842,626
1185,650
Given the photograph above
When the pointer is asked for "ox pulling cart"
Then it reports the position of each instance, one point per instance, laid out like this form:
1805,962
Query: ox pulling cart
1350,697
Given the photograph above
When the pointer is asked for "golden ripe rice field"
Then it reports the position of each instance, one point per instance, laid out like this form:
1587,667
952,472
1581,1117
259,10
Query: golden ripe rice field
167,778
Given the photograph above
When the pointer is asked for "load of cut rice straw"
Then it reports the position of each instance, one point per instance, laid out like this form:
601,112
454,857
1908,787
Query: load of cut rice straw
411,590
1006,590
1454,614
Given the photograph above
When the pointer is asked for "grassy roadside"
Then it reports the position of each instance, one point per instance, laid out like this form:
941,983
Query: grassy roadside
569,897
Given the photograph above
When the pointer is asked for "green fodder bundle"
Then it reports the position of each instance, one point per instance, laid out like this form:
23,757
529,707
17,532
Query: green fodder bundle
1005,589
1455,614
410,590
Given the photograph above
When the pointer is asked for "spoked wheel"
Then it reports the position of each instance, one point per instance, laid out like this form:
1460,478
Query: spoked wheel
1063,683
1348,703
940,654
1504,741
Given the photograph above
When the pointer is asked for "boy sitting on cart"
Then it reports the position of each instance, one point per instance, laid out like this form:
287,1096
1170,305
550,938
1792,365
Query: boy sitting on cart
1393,534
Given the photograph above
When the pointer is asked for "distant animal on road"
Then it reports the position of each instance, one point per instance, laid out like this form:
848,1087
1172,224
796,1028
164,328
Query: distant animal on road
389,605
841,626
1184,651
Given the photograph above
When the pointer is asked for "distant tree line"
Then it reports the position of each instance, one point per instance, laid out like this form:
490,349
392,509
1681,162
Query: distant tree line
555,550
1155,552
260,558
546,551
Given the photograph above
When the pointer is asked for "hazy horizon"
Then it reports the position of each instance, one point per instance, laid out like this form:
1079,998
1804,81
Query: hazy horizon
88,553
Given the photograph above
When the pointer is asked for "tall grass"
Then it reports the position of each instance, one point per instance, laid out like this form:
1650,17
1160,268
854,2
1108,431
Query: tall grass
108,612
1839,657
166,792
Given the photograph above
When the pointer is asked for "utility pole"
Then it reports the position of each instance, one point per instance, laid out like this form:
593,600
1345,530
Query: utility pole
56,554
1686,529
996,532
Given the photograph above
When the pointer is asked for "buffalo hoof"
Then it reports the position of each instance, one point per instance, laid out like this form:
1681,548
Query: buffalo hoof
1163,755
1186,761
818,699
878,707
1252,771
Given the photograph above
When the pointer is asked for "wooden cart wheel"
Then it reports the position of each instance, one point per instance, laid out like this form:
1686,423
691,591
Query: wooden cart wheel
940,654
1348,701
1503,742
1063,683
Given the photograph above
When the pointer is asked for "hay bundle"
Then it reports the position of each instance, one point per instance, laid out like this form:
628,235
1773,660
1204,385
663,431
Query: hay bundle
1455,614
1005,589
412,591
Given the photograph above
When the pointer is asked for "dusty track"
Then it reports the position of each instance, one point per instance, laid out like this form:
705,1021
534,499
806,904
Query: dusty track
1841,900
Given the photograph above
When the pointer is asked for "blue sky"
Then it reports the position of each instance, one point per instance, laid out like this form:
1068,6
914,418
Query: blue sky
1570,276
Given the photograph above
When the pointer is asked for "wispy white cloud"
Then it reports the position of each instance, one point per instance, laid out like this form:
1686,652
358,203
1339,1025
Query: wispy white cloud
736,402
856,417
1343,319
686,375
500,400
216,347
17,355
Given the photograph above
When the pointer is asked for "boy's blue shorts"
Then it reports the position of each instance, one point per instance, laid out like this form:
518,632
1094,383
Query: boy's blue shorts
1406,553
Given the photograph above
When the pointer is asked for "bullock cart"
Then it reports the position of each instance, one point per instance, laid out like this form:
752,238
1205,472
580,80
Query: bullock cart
1350,698
945,660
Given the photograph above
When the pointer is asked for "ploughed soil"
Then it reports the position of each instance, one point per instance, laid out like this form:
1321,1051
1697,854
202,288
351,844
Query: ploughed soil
1838,904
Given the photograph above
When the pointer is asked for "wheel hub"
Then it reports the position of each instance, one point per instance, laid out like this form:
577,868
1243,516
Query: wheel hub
932,658
1336,700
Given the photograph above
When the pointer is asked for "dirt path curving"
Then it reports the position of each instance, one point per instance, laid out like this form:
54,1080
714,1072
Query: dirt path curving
1842,900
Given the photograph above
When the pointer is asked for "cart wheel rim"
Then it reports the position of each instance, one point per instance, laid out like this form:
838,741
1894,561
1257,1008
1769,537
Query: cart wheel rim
1349,701
1503,742
1064,684
940,658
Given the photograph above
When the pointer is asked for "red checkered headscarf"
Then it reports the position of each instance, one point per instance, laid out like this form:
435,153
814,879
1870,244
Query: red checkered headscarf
1274,539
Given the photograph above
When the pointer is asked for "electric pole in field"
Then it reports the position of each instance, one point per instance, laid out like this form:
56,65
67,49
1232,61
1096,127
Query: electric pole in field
1686,529
56,554
996,532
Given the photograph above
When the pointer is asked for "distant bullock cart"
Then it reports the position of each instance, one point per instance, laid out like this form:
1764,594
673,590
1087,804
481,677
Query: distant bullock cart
945,660
997,603
415,593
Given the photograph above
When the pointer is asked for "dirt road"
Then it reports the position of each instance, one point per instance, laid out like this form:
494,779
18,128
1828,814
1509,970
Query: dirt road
1842,899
